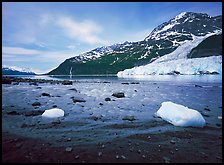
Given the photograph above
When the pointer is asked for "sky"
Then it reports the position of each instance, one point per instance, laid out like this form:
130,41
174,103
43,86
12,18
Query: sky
41,35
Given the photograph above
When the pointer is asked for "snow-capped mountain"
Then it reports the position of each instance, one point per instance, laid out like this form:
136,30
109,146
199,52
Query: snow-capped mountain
14,70
163,40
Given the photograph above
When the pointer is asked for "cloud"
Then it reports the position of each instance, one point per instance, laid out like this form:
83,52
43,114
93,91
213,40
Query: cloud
86,31
18,50
21,54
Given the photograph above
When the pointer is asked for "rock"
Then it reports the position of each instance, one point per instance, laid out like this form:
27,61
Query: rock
139,151
172,141
100,154
73,89
129,118
77,157
220,117
75,100
218,125
34,113
166,159
15,83
67,82
118,95
207,109
198,86
123,157
56,121
134,83
54,106
33,83
23,126
45,94
68,149
38,87
107,99
125,83
100,103
69,139
117,156
36,104
205,114
143,156
13,113
19,145
6,80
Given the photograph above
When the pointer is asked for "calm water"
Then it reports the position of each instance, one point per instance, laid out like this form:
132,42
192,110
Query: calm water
154,78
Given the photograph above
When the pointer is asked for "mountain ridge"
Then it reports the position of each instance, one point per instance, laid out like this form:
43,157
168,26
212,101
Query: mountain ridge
163,40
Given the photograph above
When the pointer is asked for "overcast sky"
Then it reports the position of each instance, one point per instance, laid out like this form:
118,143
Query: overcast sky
41,35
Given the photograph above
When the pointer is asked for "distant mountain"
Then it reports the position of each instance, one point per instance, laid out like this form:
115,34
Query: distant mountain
163,40
16,71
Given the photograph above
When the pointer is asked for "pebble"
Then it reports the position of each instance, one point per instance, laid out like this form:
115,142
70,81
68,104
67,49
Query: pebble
149,137
172,141
77,157
100,154
166,159
117,156
220,117
139,151
143,156
68,149
123,157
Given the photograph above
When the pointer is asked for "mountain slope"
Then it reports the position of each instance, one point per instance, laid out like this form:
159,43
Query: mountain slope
163,40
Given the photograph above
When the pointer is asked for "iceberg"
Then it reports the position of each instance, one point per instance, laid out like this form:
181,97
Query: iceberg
180,115
53,113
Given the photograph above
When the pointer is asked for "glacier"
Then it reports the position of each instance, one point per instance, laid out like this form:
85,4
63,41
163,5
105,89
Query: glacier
180,115
177,62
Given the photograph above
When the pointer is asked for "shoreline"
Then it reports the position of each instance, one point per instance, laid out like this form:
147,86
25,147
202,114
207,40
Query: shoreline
83,135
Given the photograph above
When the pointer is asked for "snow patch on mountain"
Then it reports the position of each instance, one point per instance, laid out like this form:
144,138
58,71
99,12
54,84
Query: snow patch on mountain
16,68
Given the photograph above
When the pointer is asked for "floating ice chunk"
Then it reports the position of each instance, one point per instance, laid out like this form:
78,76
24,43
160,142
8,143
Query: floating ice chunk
180,115
52,113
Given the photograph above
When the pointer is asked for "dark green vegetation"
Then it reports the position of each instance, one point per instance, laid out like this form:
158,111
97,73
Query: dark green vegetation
210,46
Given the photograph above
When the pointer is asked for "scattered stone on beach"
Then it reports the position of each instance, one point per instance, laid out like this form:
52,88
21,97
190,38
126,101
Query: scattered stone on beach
205,114
36,104
67,82
139,151
6,80
166,159
107,99
68,149
13,113
38,87
207,109
123,157
19,145
24,126
33,83
198,86
172,141
54,106
117,157
100,103
45,94
77,157
100,154
125,83
73,89
129,118
75,100
15,83
34,113
56,121
68,139
218,125
118,95
220,117
134,83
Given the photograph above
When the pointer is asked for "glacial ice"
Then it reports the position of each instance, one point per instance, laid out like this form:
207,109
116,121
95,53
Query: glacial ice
53,113
180,115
